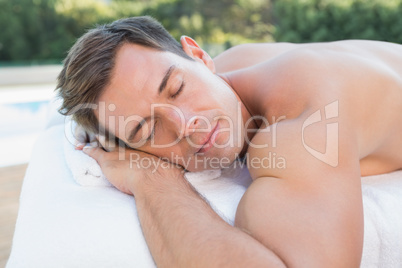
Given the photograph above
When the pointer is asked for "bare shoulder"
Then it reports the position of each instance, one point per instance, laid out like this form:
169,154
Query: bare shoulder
308,92
319,144
365,78
291,82
340,89
246,55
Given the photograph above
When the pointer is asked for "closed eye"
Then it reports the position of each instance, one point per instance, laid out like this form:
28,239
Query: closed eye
152,133
178,91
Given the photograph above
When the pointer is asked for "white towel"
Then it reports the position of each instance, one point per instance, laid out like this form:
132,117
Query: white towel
63,224
85,169
382,202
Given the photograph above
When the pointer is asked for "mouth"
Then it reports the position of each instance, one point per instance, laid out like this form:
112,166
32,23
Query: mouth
210,140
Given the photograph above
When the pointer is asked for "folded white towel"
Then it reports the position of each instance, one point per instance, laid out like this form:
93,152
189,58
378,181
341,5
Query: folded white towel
61,223
85,169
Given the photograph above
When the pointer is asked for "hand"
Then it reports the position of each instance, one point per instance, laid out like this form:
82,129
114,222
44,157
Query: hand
82,137
128,170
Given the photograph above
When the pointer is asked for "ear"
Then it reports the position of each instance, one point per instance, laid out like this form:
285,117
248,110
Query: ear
192,49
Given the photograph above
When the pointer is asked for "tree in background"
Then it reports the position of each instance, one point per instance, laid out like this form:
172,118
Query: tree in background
227,22
329,20
26,27
38,30
46,29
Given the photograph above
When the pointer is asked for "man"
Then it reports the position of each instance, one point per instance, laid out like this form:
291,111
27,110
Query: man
329,111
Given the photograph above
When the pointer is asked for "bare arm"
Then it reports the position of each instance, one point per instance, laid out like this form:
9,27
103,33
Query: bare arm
310,212
180,228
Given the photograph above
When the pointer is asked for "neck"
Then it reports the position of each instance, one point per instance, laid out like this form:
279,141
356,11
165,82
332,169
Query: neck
249,108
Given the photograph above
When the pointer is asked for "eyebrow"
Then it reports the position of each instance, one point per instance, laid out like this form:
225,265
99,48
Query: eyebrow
166,78
162,86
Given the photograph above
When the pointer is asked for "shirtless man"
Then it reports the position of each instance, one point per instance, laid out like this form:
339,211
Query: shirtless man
332,111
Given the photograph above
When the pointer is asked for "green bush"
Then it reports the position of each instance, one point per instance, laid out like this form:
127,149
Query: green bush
39,30
35,30
328,20
43,30
28,29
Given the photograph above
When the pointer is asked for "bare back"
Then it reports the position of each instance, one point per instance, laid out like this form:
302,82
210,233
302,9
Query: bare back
364,76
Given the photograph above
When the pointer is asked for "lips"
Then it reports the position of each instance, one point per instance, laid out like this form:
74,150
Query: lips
209,140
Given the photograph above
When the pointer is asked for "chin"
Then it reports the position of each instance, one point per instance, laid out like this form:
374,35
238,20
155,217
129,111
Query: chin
218,160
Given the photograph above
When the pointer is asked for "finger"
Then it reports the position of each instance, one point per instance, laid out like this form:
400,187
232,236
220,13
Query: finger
79,146
96,153
107,144
80,136
91,137
94,143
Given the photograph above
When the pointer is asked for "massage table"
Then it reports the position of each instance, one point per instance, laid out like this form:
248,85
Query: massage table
70,216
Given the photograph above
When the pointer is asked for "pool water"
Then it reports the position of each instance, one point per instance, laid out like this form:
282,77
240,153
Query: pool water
20,126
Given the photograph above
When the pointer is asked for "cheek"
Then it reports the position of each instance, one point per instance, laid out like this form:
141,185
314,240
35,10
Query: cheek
208,89
232,128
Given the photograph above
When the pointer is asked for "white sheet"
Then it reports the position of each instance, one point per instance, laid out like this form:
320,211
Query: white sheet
63,224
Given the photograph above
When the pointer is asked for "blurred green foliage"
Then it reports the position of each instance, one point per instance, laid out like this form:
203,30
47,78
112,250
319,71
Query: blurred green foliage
35,30
328,20
39,30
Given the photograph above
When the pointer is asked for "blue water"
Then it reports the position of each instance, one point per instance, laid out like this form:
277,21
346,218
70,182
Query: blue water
20,126
29,106
22,118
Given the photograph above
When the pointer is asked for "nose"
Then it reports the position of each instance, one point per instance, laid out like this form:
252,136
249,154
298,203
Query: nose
181,123
192,124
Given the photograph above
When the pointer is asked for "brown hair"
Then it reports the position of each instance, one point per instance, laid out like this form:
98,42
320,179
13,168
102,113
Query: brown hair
88,66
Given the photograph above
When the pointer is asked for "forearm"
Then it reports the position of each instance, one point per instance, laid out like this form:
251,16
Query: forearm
182,230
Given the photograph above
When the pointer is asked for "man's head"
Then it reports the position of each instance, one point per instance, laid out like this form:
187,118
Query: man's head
153,94
89,63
